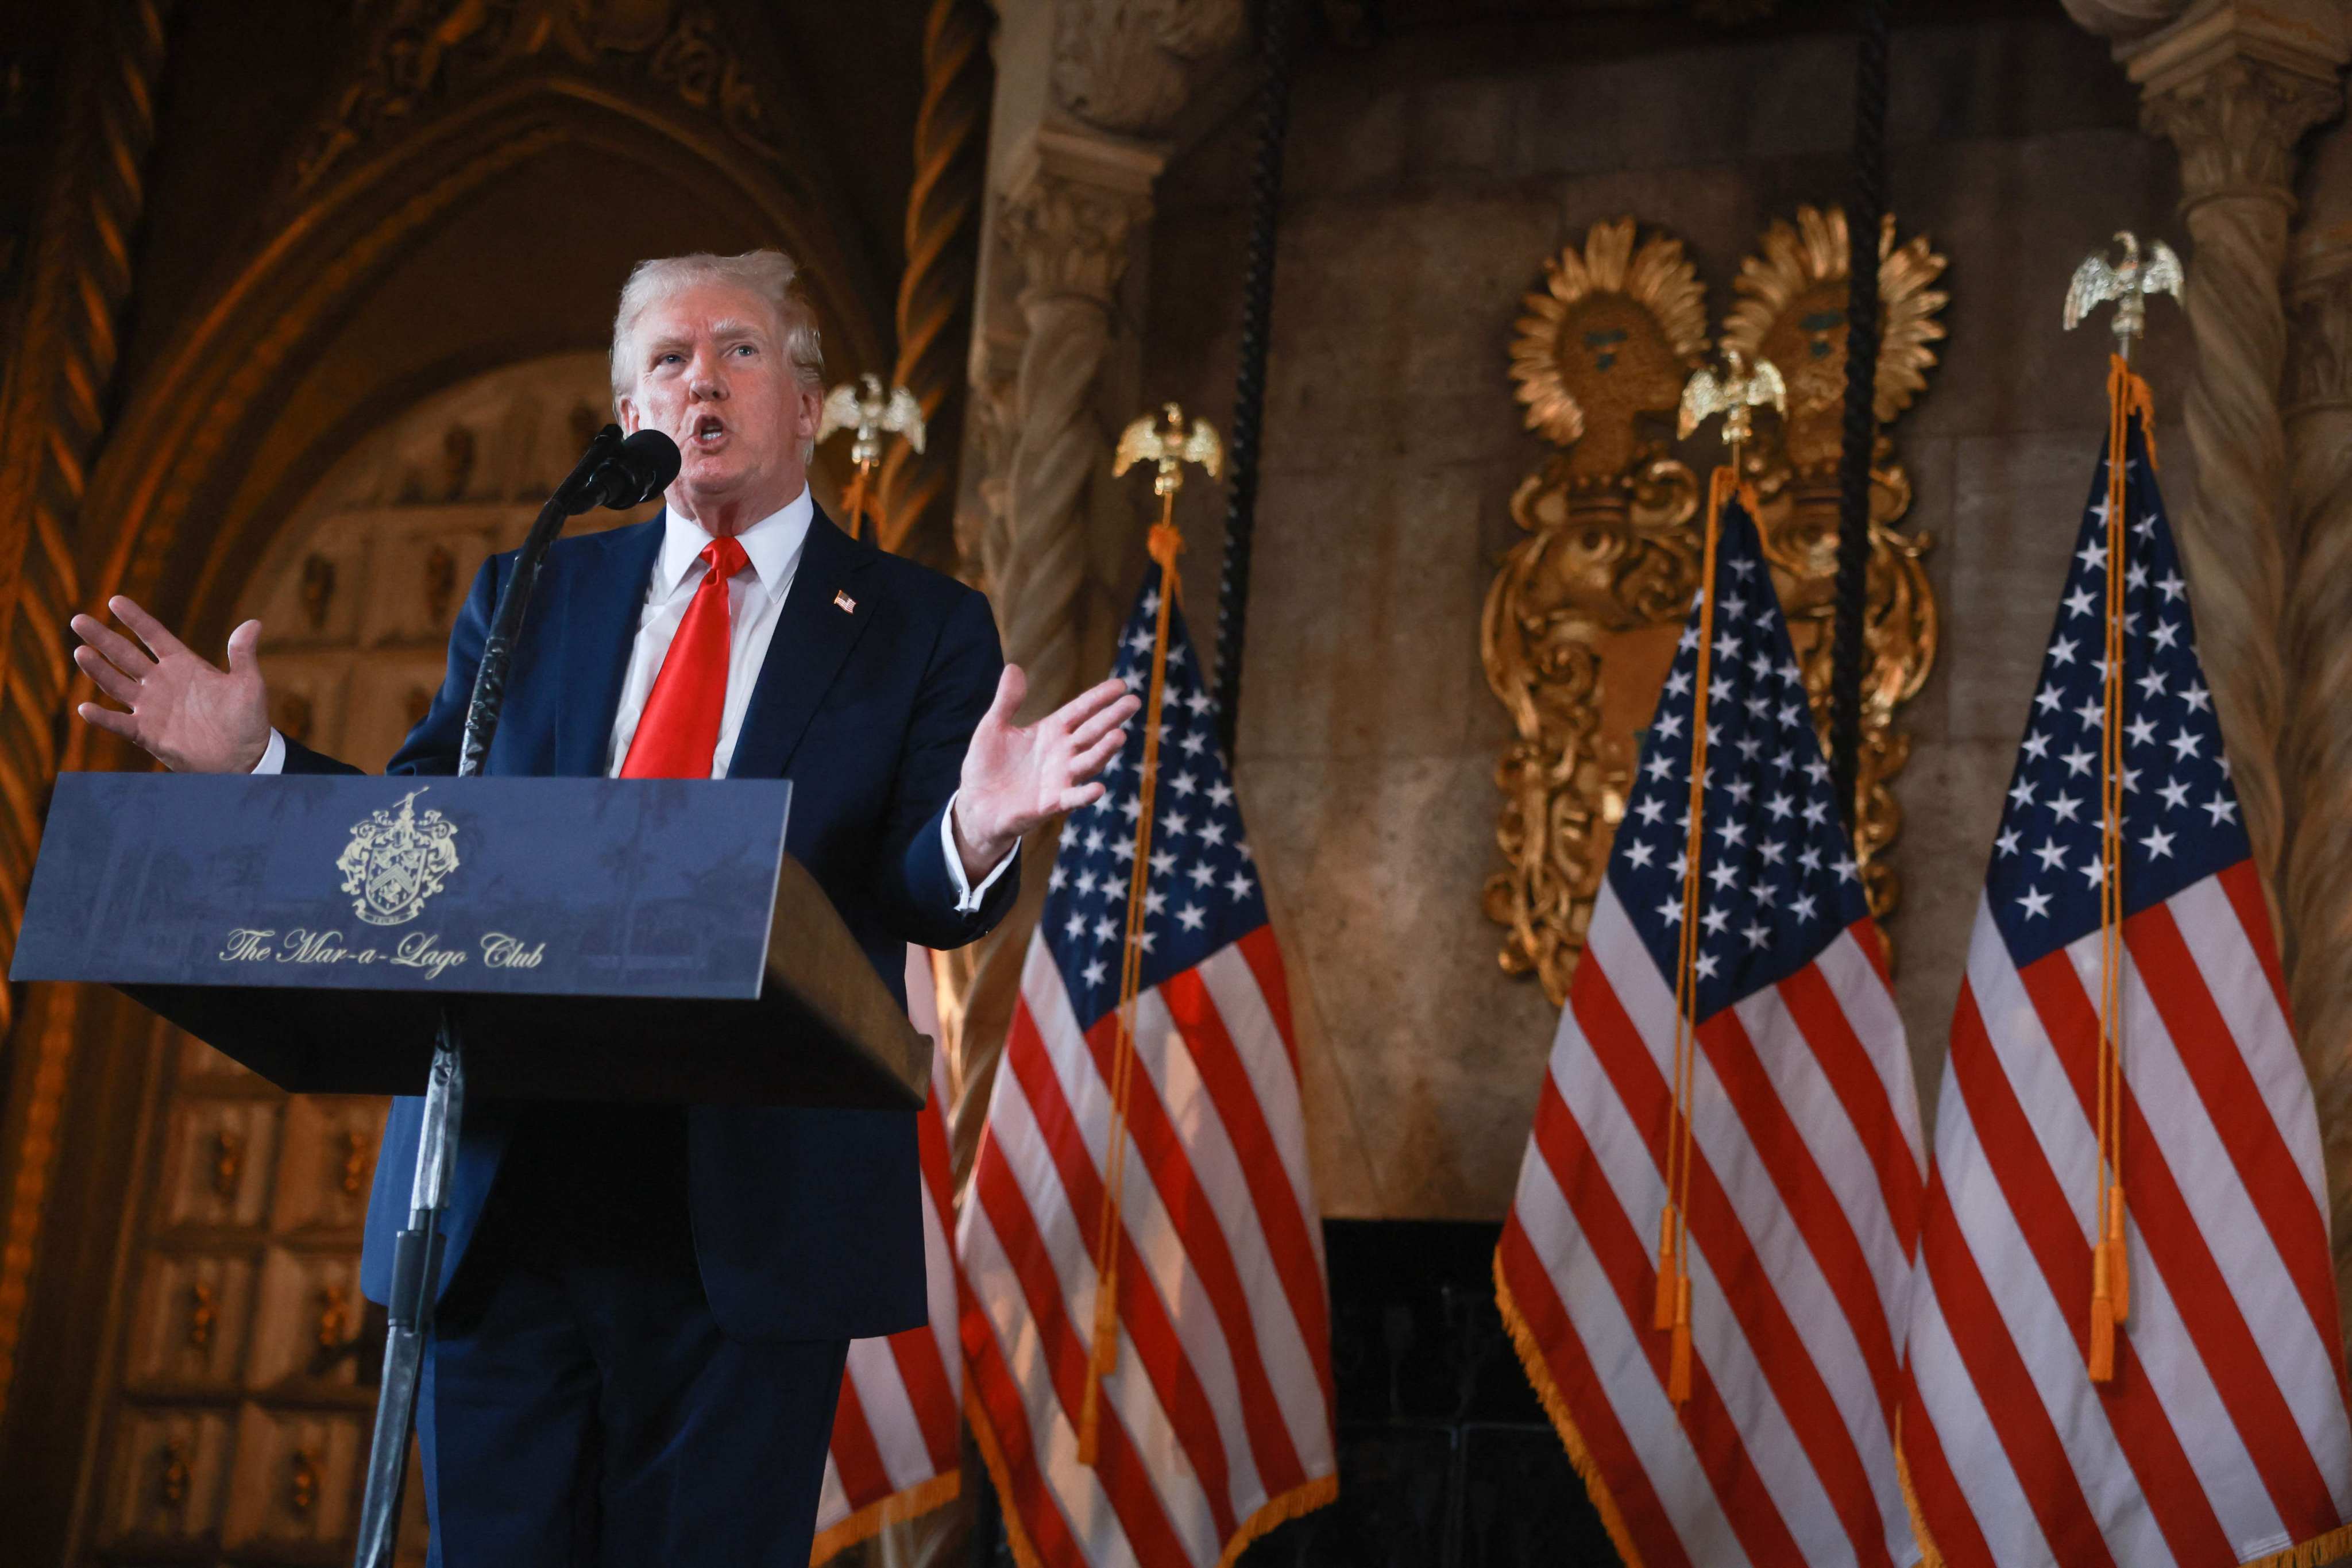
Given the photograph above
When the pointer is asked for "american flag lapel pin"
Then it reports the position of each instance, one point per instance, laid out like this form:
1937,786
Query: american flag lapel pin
843,603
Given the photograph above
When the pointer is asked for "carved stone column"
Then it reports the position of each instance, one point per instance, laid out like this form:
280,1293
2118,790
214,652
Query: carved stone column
1087,91
2234,90
2315,886
1068,226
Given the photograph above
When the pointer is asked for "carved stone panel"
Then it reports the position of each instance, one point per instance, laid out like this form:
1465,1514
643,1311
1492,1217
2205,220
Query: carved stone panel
219,1162
170,1477
190,1320
1580,621
297,1474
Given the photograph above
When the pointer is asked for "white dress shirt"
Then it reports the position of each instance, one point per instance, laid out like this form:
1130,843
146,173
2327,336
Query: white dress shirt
755,599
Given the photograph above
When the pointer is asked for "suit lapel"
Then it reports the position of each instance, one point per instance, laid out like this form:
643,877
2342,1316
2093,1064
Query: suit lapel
821,621
604,596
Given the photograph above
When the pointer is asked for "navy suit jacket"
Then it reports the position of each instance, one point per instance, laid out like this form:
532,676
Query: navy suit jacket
807,1224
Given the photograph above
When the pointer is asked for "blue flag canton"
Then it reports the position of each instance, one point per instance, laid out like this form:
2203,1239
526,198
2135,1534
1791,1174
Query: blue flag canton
2181,814
1201,892
1778,879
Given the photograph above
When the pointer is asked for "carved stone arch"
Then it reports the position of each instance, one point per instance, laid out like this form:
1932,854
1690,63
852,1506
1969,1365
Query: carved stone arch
242,410
496,232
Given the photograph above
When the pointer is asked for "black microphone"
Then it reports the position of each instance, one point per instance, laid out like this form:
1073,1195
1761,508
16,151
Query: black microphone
621,473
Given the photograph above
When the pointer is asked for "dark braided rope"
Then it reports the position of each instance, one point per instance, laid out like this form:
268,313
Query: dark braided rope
1249,386
1864,220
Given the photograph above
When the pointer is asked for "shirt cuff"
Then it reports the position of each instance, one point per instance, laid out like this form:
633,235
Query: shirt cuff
273,755
968,898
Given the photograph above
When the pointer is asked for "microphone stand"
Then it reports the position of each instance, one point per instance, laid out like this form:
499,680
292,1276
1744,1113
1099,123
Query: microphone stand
417,1253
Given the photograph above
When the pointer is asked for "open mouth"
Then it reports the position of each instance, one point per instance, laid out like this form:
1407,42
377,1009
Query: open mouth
706,431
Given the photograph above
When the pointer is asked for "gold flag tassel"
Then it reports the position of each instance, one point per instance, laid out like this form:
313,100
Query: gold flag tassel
1732,395
1171,449
2129,280
2110,1256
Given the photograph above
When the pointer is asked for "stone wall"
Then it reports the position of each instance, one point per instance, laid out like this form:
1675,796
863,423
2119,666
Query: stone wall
1428,178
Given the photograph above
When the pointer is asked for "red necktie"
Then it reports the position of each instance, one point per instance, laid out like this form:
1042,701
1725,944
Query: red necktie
679,734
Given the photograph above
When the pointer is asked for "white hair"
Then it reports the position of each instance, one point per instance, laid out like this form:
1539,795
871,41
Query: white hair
769,274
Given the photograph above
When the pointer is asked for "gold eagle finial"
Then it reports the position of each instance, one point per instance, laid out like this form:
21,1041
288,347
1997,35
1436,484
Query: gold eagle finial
1732,394
864,407
2129,282
1161,438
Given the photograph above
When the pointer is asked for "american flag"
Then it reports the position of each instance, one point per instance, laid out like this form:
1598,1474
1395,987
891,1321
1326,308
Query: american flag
897,1437
1806,1161
2223,1435
1217,1422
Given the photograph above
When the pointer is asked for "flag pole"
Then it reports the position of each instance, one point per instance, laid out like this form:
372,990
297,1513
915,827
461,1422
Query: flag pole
2127,283
1170,449
1733,393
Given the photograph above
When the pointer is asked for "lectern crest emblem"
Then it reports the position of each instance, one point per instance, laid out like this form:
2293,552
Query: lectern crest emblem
396,859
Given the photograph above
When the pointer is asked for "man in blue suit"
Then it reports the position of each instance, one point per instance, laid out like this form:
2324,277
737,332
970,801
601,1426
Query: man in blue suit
644,1313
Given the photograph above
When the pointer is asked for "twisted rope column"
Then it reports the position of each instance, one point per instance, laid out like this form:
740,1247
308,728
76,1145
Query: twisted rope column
2235,125
917,494
51,419
2316,882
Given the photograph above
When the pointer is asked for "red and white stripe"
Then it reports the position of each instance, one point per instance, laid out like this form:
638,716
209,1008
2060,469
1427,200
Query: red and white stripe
897,1433
1217,1422
2224,1436
1804,1212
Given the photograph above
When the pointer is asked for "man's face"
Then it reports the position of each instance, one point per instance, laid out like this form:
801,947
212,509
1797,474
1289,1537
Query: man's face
712,374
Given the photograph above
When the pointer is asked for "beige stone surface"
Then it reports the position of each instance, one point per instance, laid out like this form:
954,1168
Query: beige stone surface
1425,188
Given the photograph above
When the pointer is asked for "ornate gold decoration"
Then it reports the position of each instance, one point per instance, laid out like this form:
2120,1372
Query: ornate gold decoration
1608,340
1579,624
334,1316
353,1167
204,1313
172,1478
227,1163
302,1479
1792,309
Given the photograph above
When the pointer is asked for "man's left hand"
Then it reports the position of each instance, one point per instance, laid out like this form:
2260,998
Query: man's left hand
1015,776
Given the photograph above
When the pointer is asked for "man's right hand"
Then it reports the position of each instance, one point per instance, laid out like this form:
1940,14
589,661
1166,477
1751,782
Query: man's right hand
185,711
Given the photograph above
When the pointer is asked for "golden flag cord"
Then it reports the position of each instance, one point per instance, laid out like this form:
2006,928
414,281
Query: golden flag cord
1103,1354
2110,1261
1671,1310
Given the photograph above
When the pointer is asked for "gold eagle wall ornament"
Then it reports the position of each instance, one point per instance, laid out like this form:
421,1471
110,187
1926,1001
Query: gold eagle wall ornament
1579,622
